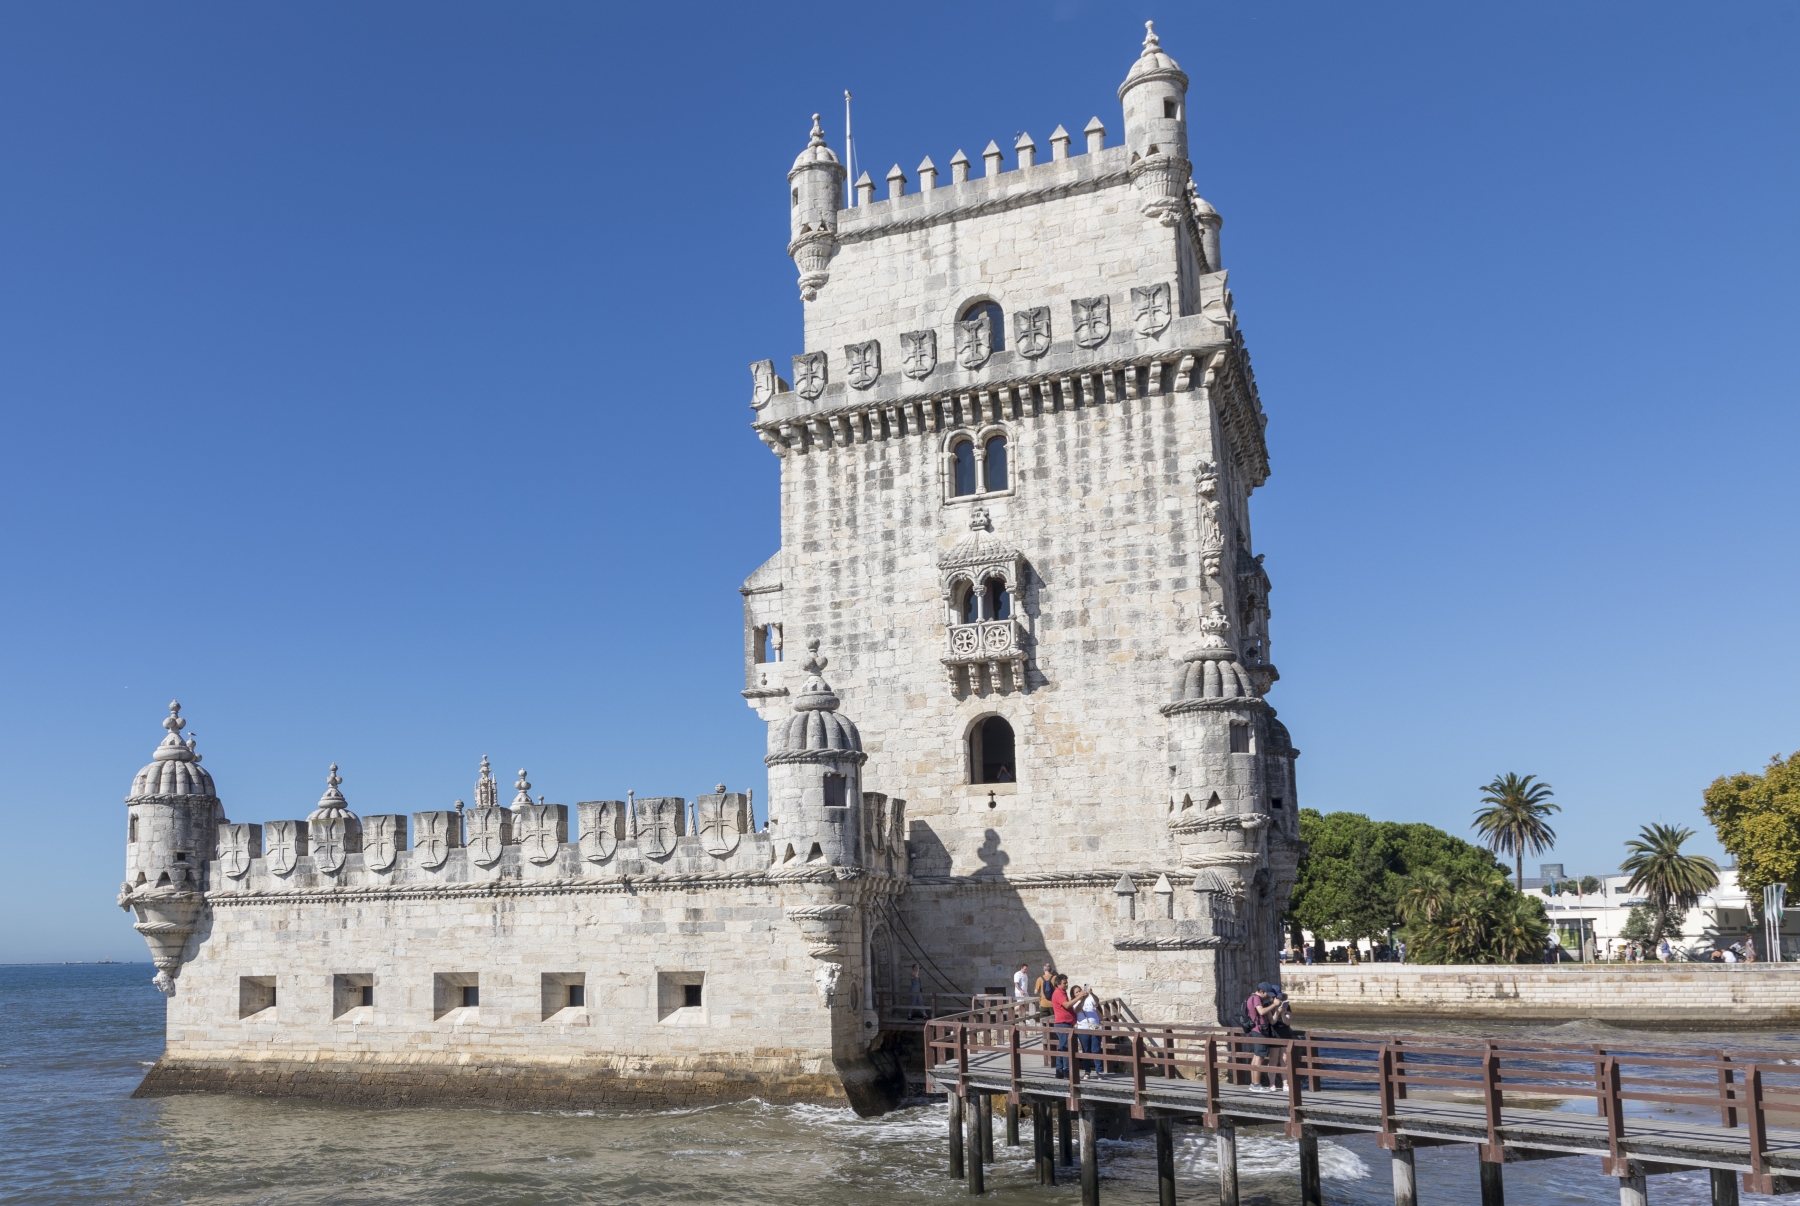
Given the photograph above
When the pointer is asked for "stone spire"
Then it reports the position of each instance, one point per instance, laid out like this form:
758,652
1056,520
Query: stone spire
523,787
174,768
487,790
332,805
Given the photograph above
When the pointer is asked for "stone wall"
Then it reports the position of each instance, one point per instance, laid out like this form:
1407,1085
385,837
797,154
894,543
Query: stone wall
1648,994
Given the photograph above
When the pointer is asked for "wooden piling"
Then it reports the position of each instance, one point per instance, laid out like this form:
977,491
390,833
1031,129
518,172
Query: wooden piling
987,1128
1493,1184
1311,1193
1012,1124
1043,1142
1063,1137
956,1136
972,1146
1090,1158
1634,1190
1724,1188
1228,1181
1406,1181
1165,1162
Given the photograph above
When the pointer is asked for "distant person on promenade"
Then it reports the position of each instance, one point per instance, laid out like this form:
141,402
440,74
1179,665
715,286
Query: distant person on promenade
915,1004
1749,948
1307,953
1399,947
1662,950
1063,1019
1022,983
1043,987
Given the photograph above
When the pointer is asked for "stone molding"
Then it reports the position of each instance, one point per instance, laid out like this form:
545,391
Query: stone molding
1175,943
622,885
787,757
1239,703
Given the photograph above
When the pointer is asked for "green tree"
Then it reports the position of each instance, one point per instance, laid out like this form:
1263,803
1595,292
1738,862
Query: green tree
1590,884
1669,879
1757,818
1486,920
1513,821
1638,926
1343,889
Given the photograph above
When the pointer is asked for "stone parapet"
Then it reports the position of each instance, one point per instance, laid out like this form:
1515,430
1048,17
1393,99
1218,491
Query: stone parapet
1642,994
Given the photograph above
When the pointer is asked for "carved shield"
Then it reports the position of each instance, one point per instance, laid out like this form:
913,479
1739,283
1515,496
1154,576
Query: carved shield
809,375
384,838
660,821
328,844
435,835
238,844
918,353
1215,299
762,383
862,363
287,842
542,831
975,341
722,820
1150,311
1093,320
487,832
1031,331
602,827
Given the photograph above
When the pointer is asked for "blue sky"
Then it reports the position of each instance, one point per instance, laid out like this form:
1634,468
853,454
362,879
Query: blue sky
374,382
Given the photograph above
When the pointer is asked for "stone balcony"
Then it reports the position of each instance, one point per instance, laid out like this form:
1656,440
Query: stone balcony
986,647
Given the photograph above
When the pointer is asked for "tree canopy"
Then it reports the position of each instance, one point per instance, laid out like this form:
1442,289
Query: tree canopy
1361,879
1757,818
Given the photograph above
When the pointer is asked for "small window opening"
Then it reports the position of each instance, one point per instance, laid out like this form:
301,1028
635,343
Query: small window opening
996,322
1275,802
181,856
368,995
815,854
560,991
255,994
1168,111
142,879
133,827
162,879
577,996
997,599
1213,801
994,458
834,791
471,996
964,452
991,752
796,199
680,997
1240,739
690,996
768,643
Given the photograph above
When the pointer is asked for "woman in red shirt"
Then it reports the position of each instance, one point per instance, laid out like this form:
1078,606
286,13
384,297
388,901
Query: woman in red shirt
1063,1018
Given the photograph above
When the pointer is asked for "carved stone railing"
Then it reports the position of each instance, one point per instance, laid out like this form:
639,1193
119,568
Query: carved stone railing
987,643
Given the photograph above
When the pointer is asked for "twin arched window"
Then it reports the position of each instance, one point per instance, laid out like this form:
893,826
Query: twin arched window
983,474
991,601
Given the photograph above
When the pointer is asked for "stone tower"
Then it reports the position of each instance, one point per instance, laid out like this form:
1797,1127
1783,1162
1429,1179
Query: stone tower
1017,454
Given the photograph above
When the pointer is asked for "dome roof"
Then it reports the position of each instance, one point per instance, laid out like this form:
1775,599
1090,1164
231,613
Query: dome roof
815,728
816,151
980,546
332,805
175,767
1212,671
1152,64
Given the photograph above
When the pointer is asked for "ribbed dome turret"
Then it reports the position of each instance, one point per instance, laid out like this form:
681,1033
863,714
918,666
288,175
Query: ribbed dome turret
1212,671
1153,64
332,805
175,769
816,728
816,151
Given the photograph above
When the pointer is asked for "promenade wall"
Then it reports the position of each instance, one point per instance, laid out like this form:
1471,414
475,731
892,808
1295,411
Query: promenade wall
1644,994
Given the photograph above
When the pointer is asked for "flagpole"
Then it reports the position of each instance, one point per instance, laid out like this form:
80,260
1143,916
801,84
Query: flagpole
849,157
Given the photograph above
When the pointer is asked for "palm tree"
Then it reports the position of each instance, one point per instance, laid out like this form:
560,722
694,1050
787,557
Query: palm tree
1668,878
1513,821
1427,895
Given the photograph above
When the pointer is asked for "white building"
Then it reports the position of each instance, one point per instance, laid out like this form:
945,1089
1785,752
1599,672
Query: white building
1723,916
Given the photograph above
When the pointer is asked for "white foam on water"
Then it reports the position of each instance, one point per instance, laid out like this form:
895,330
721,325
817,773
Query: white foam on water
1268,1156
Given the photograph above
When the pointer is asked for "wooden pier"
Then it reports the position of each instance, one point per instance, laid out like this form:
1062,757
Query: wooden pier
1511,1100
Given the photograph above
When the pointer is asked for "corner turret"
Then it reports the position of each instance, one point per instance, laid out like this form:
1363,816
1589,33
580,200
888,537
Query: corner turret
172,820
815,778
815,194
1155,98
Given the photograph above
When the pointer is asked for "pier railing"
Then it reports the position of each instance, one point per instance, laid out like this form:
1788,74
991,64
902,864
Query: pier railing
1503,1096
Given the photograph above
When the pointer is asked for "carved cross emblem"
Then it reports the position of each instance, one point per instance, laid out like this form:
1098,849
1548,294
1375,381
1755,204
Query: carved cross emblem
809,375
975,341
434,837
657,826
1031,331
762,383
1215,299
540,839
237,846
287,842
720,820
601,821
918,353
1093,320
328,845
862,363
1150,309
382,840
486,836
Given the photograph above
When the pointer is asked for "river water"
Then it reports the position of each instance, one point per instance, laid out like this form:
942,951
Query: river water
78,1039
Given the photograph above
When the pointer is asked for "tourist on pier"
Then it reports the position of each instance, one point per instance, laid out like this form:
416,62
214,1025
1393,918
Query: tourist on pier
1087,1024
1043,987
1022,983
1062,1020
1261,1009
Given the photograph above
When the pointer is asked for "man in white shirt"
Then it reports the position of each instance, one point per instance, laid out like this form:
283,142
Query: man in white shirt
1022,983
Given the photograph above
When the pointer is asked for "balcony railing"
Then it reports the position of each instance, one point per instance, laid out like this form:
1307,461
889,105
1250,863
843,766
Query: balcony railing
987,643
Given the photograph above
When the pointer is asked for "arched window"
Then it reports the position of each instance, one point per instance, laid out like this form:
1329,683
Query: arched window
997,603
991,752
964,452
969,608
996,322
994,462
133,827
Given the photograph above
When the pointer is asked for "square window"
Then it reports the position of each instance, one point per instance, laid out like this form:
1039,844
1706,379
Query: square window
834,791
690,996
471,996
453,993
681,998
353,997
1240,739
256,995
577,996
561,992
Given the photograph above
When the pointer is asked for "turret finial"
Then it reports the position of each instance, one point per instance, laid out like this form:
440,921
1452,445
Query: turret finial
332,804
818,133
174,723
1152,43
523,787
814,664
